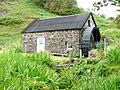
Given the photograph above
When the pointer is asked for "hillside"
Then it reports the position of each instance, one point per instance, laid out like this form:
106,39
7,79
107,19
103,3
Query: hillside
19,71
20,13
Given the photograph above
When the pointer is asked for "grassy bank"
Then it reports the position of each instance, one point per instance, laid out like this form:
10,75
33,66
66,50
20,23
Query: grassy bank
38,72
20,10
20,71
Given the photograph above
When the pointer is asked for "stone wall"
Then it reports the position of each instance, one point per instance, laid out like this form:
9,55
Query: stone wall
54,41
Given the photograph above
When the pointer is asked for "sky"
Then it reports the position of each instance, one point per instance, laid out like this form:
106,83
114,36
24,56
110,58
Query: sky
108,11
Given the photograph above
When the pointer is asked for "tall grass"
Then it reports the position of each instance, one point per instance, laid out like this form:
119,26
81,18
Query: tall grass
33,72
27,72
95,76
96,83
114,55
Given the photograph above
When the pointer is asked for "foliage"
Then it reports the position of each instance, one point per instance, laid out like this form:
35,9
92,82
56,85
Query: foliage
74,55
104,3
104,24
35,72
42,57
26,72
20,14
117,21
112,36
100,46
93,83
90,76
40,2
61,7
17,48
9,20
114,55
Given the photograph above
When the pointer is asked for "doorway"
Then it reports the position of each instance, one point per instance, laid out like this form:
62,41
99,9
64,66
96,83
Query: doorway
40,44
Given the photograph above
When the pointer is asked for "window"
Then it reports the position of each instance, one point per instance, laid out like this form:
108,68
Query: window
89,23
68,45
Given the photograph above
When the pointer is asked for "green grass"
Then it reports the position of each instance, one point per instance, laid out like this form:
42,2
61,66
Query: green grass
114,56
104,24
27,11
37,71
22,9
20,71
23,72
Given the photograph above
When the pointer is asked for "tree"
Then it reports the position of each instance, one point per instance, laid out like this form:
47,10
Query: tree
104,3
61,7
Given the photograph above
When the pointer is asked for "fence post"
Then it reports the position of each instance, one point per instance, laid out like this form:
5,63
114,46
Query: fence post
105,47
80,53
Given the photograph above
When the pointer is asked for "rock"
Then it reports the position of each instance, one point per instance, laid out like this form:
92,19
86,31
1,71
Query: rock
93,53
3,12
67,60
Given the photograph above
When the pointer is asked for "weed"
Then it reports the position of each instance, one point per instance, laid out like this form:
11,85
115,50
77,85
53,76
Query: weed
74,55
8,20
114,55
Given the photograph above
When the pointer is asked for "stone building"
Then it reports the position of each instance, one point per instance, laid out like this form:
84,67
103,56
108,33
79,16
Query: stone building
62,34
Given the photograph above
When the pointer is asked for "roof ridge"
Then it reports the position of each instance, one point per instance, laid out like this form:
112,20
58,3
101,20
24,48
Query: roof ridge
64,16
76,21
29,25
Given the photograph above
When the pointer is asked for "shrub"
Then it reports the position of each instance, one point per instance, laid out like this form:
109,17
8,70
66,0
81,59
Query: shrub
114,55
100,46
74,55
42,58
18,49
61,7
10,20
100,50
40,2
102,70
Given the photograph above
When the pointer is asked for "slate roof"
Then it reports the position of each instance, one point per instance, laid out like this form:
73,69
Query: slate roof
70,22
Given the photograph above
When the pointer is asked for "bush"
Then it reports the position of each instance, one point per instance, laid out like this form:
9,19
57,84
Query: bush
40,2
100,46
102,70
10,20
74,55
114,55
42,58
60,7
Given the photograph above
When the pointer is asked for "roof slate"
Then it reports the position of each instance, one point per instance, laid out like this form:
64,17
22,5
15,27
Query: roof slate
70,22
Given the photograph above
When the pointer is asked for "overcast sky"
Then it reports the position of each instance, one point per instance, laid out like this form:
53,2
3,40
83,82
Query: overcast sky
109,11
